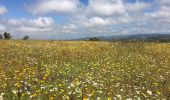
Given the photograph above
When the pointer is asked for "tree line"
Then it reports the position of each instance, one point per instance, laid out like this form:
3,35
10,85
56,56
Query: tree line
8,36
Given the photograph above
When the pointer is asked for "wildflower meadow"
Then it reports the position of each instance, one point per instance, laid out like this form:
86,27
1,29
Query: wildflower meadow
84,70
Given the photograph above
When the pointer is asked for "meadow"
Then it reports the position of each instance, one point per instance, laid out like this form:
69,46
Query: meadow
84,70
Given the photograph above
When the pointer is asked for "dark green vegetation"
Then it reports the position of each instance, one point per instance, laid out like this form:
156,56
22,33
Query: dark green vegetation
6,35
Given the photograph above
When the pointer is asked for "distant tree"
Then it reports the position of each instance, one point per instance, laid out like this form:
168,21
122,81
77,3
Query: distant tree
7,35
26,37
94,39
1,37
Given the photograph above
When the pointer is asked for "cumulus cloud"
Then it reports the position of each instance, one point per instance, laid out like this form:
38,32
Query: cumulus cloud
54,6
163,12
39,22
95,7
38,28
137,7
92,22
2,28
164,2
111,12
3,10
105,7
27,25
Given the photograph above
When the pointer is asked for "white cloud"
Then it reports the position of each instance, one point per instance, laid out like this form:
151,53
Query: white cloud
70,26
164,2
94,22
137,7
2,28
27,25
32,29
38,22
105,7
54,6
41,27
75,7
110,12
163,12
3,10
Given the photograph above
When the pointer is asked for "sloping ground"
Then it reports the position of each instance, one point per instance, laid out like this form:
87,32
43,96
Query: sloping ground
81,70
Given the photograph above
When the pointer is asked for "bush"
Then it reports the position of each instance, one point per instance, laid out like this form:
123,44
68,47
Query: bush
94,39
7,35
1,37
26,37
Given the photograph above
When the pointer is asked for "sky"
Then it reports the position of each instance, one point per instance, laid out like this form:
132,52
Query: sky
71,19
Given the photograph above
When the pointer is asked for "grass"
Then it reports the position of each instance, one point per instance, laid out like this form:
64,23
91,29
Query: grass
75,70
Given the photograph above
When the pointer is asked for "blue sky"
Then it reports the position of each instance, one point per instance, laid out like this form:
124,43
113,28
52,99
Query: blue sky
69,19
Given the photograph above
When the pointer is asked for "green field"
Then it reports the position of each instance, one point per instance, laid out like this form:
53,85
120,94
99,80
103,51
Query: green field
84,70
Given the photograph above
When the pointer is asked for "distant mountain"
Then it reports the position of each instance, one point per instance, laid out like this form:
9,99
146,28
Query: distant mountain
146,37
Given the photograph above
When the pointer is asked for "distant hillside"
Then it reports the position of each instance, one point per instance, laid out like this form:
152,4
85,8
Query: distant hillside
145,37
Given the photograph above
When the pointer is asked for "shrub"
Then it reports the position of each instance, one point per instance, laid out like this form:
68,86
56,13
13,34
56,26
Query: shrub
26,37
94,39
7,35
1,37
